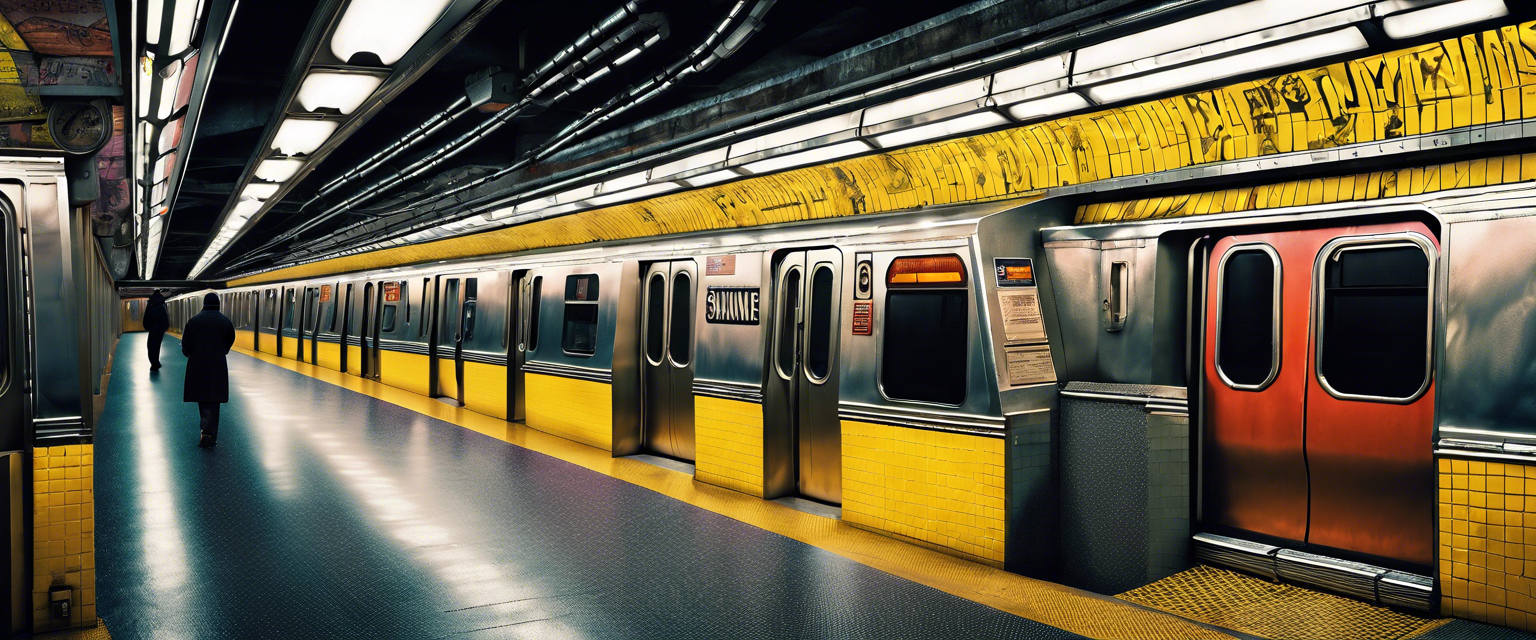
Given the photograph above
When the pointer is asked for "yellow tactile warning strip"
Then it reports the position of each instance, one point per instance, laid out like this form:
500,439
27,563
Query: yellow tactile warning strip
1052,604
98,632
1263,608
1471,80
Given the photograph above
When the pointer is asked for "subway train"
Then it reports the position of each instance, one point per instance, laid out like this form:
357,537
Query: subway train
1101,403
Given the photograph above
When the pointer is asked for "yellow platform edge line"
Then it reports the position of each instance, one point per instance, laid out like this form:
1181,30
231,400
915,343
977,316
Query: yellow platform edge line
1049,603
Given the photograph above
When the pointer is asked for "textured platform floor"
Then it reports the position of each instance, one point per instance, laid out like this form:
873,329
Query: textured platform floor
326,513
1280,611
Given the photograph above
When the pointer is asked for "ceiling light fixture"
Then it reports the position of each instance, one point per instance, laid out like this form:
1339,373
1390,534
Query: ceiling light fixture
278,169
302,137
1440,17
344,92
259,190
1281,55
385,28
1049,106
811,156
944,129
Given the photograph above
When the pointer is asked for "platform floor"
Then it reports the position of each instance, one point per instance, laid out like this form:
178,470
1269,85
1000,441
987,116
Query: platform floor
327,513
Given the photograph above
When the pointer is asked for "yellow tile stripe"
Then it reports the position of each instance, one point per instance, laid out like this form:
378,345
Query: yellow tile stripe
1052,604
728,443
1488,541
1476,79
63,532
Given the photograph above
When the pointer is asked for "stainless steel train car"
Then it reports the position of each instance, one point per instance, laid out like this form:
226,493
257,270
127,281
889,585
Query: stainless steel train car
1101,404
59,321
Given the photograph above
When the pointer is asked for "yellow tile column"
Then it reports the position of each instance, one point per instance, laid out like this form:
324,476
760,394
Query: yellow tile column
63,534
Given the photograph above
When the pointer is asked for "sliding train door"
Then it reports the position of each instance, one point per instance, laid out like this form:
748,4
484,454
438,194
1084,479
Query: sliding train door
667,376
1319,404
529,292
458,304
803,374
310,351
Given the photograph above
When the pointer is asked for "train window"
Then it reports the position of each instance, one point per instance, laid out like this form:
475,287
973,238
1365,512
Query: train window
1374,340
655,318
682,318
288,312
789,309
535,302
925,331
471,290
426,284
1248,317
580,332
389,318
818,347
271,312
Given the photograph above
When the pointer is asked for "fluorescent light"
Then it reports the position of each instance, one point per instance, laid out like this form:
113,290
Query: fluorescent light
945,129
811,156
1445,16
182,21
970,91
259,190
152,18
714,156
168,87
1281,55
1046,70
170,135
714,177
163,165
278,169
1050,106
625,182
243,211
344,92
1201,29
302,137
534,205
386,28
144,85
573,195
792,135
634,194
503,212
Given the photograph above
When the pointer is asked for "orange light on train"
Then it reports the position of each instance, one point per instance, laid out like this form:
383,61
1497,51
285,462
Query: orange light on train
929,270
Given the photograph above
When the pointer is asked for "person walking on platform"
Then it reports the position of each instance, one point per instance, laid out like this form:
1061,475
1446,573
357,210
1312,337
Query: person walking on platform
205,341
156,321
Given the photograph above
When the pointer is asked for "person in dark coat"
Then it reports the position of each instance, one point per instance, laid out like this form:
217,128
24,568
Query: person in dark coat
156,321
205,340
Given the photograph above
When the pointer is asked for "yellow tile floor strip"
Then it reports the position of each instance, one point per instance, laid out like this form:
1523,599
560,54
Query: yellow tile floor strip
1263,608
1056,605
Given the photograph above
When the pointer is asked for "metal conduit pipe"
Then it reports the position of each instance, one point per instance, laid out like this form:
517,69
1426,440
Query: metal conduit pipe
443,118
702,57
643,24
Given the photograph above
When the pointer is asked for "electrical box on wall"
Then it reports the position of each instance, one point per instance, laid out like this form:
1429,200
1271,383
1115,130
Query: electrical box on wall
59,600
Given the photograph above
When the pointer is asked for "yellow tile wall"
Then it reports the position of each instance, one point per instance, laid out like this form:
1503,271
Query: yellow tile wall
1474,79
329,355
407,371
579,410
728,444
485,388
63,533
940,488
1488,542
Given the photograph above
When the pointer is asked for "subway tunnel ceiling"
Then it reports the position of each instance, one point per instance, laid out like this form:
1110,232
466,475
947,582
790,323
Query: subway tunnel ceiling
248,86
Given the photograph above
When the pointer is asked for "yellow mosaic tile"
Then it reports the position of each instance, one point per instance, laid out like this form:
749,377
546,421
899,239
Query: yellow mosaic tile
939,488
728,444
579,410
63,532
1487,559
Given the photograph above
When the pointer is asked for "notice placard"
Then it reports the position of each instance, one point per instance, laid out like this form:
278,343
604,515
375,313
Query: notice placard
325,293
1029,364
391,292
1014,272
1022,321
863,318
720,265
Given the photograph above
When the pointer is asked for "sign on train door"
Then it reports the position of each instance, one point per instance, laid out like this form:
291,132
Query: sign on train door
667,332
807,313
1319,403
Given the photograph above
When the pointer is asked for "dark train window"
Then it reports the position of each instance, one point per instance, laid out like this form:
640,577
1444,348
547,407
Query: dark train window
1247,338
271,313
655,318
471,290
818,342
580,334
535,301
288,314
682,318
389,318
785,358
1375,324
925,331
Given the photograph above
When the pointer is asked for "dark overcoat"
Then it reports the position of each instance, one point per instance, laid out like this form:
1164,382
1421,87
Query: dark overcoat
207,337
156,319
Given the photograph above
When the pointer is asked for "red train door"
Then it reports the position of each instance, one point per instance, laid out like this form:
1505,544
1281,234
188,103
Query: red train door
1319,403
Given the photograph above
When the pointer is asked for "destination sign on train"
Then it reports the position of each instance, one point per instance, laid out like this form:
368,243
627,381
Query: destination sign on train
731,305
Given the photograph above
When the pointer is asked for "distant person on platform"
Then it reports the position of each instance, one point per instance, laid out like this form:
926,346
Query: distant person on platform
205,340
156,322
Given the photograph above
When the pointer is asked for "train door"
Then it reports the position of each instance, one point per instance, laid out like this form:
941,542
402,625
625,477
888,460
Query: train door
312,322
455,318
346,324
529,292
804,356
667,380
365,330
1319,410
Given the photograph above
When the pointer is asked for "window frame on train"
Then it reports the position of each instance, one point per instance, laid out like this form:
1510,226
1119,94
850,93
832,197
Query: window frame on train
535,305
589,302
958,293
1224,317
1326,259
